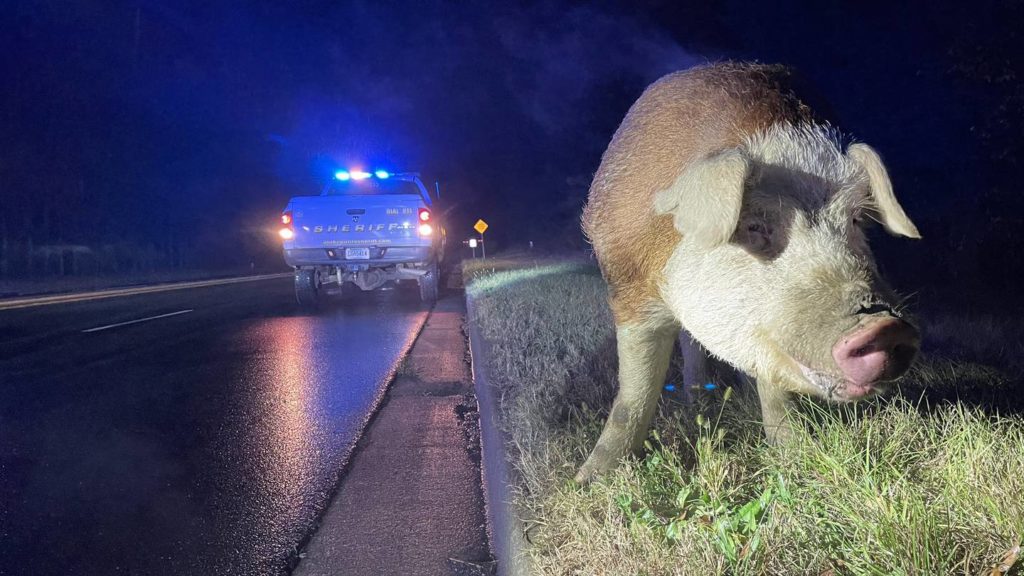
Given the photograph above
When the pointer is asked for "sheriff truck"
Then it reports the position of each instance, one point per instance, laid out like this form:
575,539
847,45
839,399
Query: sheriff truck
371,230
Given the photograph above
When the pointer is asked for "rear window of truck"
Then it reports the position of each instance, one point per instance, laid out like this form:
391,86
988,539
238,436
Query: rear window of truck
372,187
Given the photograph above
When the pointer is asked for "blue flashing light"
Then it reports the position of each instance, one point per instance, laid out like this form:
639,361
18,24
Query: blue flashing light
382,174
670,387
342,175
710,386
359,175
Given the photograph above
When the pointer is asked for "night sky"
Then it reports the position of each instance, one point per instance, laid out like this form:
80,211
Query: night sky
172,133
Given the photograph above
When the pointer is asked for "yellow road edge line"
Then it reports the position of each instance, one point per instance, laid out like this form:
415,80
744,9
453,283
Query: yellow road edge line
29,302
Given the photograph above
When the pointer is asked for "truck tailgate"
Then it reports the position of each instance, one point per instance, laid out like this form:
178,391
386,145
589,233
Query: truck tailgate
325,221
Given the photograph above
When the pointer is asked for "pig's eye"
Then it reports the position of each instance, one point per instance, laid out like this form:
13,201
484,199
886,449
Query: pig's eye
759,228
757,237
763,235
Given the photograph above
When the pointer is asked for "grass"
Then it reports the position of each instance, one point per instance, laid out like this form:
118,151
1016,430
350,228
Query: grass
925,481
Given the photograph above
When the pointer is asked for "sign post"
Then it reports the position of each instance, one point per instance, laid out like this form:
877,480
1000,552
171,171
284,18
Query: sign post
481,227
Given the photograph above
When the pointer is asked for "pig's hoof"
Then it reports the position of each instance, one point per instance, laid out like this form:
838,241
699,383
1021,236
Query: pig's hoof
601,460
586,475
780,434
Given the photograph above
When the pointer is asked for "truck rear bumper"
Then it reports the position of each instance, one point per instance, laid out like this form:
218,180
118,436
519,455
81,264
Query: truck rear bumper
379,256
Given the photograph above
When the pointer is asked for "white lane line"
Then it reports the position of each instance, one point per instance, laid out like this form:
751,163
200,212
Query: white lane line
109,326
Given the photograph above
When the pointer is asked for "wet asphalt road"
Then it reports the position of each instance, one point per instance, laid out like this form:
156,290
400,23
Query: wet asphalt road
205,442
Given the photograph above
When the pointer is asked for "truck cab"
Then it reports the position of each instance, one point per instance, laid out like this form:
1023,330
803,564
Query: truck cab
369,230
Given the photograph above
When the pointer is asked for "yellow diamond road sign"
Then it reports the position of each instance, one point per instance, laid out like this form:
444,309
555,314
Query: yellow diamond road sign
480,226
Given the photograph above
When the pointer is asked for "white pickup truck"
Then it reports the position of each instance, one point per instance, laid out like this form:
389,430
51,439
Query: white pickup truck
372,230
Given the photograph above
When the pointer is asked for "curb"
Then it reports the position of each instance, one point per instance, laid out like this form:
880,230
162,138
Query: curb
504,529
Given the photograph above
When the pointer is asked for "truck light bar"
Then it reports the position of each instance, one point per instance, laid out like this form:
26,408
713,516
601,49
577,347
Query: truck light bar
346,175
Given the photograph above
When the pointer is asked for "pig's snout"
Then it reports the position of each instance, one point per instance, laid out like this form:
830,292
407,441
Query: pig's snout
875,352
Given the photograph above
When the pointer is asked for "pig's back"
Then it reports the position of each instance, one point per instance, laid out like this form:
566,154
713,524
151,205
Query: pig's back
681,118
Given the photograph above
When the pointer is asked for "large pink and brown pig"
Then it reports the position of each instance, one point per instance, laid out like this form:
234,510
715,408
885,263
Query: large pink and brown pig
725,207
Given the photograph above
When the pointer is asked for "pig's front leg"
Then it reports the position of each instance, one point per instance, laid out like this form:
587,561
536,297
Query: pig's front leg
644,354
775,402
778,377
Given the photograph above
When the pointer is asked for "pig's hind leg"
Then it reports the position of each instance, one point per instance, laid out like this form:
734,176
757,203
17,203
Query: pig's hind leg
644,354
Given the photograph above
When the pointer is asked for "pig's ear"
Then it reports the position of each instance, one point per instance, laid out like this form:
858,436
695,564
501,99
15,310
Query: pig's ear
893,218
705,200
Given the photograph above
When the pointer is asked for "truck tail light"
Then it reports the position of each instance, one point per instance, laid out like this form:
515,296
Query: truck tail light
424,215
287,232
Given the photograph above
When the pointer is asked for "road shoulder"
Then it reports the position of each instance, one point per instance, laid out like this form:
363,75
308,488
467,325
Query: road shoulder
411,501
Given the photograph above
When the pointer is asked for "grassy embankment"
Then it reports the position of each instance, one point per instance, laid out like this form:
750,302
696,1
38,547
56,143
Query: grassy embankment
906,484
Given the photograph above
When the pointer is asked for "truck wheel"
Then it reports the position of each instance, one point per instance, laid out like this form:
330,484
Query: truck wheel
428,285
307,287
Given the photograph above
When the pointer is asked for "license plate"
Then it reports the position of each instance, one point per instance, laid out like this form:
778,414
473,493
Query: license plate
357,253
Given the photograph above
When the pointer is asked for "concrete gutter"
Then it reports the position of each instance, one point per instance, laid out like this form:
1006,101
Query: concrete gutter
30,301
505,530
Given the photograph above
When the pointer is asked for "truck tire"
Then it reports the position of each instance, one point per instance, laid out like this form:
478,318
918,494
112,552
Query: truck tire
429,284
307,287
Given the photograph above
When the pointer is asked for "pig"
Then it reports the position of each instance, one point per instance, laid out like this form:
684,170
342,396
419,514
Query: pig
724,205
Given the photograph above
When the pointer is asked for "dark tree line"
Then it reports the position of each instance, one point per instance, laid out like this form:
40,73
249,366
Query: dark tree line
109,165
